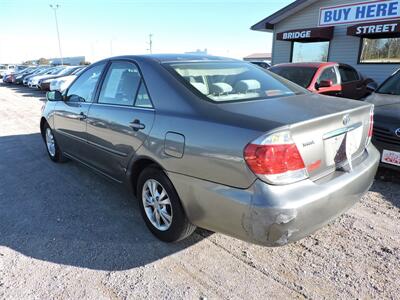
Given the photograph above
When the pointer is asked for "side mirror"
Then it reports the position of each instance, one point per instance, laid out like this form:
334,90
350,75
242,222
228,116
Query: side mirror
325,84
54,96
372,86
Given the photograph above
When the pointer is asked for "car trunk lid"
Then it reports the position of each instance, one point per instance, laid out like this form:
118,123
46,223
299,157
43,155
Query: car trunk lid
328,132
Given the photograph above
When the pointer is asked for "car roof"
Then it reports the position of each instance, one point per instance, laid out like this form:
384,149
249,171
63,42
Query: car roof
162,58
307,64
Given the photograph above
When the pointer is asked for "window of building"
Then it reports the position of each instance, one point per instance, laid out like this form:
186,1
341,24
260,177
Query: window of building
309,52
381,51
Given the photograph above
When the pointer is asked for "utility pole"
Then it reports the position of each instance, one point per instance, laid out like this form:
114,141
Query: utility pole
150,43
54,8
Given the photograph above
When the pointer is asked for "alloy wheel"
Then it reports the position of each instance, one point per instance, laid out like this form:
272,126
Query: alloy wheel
157,204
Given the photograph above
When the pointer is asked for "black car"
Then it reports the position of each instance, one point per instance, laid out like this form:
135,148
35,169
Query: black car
386,135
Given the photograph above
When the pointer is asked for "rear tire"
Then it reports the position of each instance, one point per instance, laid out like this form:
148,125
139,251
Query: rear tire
53,150
161,207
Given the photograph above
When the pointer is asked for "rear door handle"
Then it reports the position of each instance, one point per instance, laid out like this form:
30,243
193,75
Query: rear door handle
136,125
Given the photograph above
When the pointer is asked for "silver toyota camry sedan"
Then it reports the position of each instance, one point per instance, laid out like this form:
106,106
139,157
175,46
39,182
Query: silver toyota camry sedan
215,143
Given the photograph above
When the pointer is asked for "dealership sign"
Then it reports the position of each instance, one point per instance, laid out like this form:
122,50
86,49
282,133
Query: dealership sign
306,34
388,29
360,12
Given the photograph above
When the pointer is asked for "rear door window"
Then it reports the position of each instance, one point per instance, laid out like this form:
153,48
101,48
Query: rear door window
121,84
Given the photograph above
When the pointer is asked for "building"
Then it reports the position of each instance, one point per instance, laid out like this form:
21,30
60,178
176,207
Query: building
198,52
73,61
258,57
365,34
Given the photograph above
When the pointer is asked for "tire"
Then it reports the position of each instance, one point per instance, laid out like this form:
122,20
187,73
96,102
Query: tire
179,226
54,150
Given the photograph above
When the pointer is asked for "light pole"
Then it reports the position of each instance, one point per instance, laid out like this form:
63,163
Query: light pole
54,8
150,43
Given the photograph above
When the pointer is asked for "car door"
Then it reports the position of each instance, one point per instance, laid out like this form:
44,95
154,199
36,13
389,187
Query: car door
352,85
71,114
120,120
328,74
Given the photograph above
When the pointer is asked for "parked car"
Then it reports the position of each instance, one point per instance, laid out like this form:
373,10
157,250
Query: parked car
261,64
328,78
62,83
41,70
7,78
44,82
34,80
215,143
9,69
11,78
386,135
6,69
18,77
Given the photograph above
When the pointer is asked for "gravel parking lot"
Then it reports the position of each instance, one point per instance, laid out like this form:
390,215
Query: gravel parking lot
66,232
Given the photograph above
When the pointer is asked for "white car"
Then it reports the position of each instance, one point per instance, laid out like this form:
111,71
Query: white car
62,83
33,82
8,69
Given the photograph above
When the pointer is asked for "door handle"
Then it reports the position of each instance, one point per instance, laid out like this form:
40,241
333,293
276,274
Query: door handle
136,125
82,116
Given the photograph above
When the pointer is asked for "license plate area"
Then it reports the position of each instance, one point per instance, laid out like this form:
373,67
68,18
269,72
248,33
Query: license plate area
391,157
341,145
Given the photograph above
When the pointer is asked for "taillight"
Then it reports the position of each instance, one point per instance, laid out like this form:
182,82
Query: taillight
371,125
275,158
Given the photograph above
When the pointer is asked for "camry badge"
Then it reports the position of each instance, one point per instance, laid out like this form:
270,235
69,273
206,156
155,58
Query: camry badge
346,119
397,132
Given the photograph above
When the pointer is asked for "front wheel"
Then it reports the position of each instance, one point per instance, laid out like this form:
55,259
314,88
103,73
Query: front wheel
161,207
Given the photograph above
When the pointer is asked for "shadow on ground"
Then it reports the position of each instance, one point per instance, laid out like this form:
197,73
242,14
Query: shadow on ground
66,214
389,191
25,91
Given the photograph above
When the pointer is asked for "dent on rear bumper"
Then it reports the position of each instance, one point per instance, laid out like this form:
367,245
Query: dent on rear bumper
274,215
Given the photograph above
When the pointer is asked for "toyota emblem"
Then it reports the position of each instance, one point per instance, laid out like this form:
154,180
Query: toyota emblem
397,132
346,120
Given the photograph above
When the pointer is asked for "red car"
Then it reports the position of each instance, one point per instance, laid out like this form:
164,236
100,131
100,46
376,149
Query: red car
327,78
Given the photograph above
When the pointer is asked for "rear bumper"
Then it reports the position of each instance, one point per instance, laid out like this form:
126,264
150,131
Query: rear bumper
275,215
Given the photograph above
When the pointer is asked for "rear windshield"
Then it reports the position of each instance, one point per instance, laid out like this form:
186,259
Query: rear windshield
232,81
299,75
391,86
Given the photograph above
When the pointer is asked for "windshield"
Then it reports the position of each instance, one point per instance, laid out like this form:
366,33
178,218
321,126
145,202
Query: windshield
391,86
299,75
232,81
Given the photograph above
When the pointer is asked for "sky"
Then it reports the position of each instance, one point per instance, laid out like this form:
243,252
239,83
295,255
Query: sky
103,28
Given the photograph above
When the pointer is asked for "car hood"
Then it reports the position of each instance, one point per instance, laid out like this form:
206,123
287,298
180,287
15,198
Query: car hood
387,107
282,111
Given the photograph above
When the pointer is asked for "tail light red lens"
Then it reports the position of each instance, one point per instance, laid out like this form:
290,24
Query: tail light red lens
371,126
371,123
274,161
